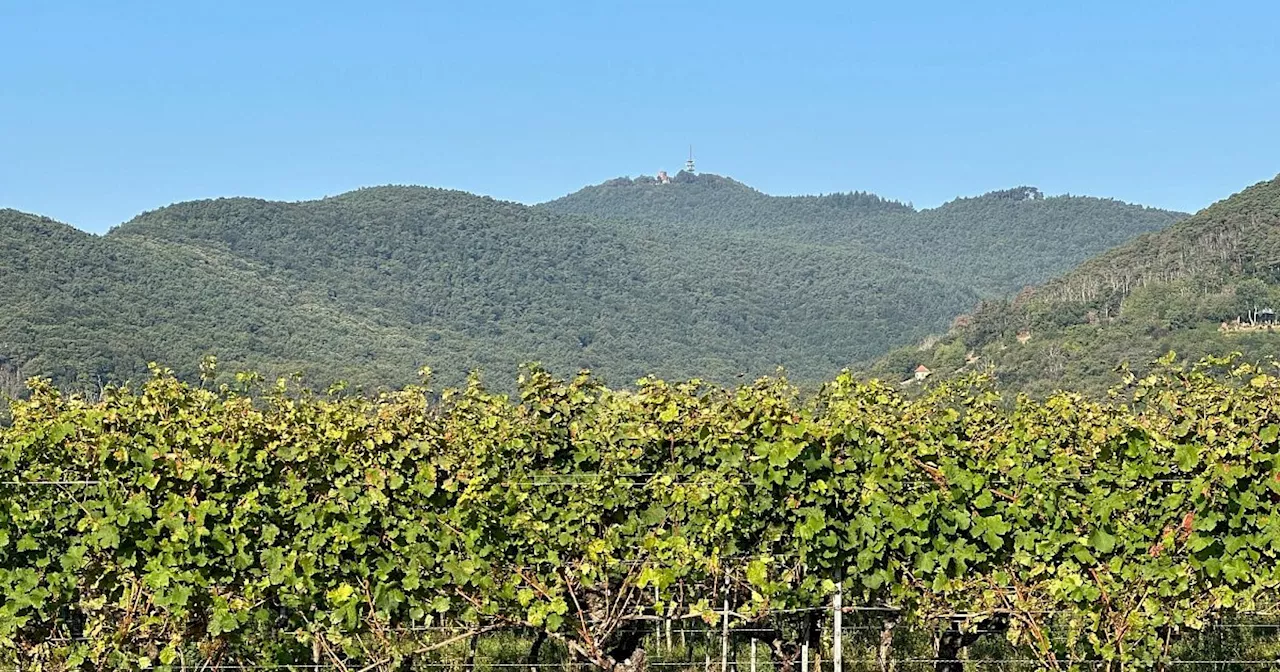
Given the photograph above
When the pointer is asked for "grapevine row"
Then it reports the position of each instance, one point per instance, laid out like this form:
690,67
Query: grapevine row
173,521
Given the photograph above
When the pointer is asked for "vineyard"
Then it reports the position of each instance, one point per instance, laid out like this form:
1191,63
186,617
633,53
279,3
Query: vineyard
239,526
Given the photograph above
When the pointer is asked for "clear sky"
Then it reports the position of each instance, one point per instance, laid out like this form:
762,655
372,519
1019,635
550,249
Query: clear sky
111,108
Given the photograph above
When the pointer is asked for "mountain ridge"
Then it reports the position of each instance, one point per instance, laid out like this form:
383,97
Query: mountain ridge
372,283
999,241
1196,288
458,282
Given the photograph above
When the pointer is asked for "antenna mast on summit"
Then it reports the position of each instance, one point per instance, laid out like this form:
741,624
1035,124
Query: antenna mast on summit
688,165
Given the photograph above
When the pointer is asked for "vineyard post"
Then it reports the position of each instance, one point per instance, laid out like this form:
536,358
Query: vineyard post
724,633
838,602
684,643
668,619
804,657
753,654
658,644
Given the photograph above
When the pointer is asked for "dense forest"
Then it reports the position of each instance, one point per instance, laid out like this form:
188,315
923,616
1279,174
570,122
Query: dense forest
374,283
87,310
998,242
1203,286
371,285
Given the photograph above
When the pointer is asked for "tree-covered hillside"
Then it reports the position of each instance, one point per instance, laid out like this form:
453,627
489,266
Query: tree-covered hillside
712,202
998,243
1201,287
370,285
1006,240
88,310
702,277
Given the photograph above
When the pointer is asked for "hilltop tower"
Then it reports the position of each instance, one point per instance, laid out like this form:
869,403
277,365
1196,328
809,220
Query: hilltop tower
688,165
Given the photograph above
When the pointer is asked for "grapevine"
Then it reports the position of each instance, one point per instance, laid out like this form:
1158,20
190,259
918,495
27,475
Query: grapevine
175,522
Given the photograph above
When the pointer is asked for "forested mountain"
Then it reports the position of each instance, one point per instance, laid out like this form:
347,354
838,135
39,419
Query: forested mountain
702,277
86,309
370,285
1005,240
1203,286
711,202
998,243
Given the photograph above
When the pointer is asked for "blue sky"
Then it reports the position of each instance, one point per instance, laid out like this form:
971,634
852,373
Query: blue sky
111,108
